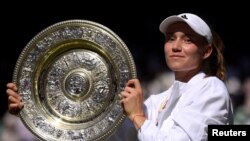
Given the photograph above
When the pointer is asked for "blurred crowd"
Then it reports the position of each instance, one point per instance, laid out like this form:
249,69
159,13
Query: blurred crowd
13,129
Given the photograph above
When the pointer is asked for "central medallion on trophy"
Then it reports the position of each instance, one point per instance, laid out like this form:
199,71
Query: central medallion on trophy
77,84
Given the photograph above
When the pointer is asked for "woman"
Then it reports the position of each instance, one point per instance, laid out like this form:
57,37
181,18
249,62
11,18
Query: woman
197,98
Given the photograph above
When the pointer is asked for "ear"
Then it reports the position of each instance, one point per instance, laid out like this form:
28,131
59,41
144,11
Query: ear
208,51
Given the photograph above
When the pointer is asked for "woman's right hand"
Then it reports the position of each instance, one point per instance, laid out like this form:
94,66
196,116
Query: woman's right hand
15,103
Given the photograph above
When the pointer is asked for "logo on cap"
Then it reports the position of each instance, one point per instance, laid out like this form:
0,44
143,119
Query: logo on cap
184,17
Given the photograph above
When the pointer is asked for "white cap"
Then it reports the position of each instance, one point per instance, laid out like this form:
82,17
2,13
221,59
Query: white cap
196,23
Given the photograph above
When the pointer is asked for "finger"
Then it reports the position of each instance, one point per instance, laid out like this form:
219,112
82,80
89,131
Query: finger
131,83
123,101
12,99
119,96
135,83
20,98
13,106
129,89
12,86
21,106
10,92
124,94
18,106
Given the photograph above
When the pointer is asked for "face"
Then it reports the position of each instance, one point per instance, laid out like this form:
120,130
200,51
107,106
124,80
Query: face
184,49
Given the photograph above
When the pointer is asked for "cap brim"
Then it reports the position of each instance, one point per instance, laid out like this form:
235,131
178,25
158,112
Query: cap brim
168,21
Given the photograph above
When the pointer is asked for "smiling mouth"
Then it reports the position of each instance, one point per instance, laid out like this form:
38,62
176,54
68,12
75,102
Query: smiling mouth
176,56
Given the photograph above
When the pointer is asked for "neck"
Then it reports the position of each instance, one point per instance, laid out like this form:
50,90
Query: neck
185,76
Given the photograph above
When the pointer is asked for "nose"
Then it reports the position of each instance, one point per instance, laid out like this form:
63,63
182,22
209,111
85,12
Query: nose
176,46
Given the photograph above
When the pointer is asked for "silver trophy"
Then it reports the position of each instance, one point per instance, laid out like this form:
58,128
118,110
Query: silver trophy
69,77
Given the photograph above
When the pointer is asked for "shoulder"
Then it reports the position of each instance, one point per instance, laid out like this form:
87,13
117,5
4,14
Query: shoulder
201,81
212,88
213,83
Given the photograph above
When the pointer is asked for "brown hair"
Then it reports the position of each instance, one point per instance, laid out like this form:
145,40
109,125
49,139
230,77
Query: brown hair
215,65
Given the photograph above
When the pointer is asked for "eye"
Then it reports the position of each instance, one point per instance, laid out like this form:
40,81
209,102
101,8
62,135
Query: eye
188,40
170,38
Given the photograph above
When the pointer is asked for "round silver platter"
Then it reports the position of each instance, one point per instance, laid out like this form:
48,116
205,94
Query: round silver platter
69,77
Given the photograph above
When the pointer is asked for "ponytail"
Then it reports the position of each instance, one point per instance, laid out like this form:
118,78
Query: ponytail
214,65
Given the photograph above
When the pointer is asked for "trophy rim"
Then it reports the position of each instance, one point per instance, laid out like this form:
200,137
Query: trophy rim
57,26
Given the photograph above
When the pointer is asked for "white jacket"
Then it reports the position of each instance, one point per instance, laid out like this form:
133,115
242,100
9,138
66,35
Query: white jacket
189,109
